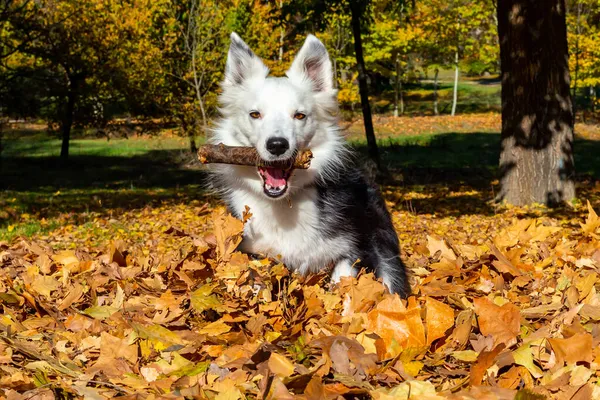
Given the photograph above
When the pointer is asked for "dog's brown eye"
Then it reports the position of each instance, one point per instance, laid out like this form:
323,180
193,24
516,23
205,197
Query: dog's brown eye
255,114
299,116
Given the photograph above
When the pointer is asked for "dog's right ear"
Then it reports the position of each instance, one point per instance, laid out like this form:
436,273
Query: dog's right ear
242,63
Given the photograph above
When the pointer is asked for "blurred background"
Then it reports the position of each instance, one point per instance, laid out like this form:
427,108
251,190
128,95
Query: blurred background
104,102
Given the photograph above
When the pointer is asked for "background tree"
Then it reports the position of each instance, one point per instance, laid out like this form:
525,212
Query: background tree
311,17
197,62
79,47
391,40
584,44
536,161
455,31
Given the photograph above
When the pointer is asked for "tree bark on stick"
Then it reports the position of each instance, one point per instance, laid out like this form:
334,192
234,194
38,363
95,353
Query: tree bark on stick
536,161
236,155
357,12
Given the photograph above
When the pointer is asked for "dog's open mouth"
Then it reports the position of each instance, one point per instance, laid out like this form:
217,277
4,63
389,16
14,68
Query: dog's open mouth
275,180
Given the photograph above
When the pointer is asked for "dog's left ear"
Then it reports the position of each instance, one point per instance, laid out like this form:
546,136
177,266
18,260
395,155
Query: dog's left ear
312,64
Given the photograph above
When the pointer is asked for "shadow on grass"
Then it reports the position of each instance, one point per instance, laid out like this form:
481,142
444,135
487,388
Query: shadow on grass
454,174
447,174
46,187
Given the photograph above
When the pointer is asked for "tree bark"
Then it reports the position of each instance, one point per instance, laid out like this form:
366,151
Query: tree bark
577,51
435,92
356,11
335,77
455,93
536,160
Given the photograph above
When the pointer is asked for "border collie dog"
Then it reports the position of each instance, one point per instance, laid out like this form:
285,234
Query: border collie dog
324,216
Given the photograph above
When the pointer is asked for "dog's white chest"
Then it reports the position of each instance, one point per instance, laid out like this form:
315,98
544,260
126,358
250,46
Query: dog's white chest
295,234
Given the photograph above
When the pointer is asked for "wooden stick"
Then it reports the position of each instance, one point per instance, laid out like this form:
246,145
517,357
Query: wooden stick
221,154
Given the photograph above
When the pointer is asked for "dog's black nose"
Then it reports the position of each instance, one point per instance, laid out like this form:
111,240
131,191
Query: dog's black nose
277,145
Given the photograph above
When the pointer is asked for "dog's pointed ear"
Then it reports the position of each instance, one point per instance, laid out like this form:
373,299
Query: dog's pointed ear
312,64
242,63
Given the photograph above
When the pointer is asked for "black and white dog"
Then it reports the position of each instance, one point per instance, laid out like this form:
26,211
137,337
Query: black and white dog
332,216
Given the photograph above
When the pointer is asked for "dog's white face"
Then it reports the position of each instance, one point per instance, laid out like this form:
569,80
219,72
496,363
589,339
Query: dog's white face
279,116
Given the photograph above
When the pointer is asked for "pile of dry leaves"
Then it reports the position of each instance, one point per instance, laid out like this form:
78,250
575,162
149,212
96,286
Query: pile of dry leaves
183,315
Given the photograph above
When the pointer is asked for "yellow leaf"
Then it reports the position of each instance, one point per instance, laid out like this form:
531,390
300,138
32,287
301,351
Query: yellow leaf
434,245
271,336
405,390
228,233
66,258
100,312
44,285
592,222
280,365
465,355
158,335
215,328
524,357
202,299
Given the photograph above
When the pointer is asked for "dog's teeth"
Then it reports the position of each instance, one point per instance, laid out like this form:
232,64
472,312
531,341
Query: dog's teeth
269,187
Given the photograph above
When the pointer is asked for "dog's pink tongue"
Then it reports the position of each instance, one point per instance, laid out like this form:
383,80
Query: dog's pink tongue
274,177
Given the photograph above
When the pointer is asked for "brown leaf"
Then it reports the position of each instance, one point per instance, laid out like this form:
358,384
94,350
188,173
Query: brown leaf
502,323
485,360
574,349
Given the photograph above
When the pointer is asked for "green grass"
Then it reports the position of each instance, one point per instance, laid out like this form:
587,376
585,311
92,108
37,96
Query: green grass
104,177
473,97
38,191
47,147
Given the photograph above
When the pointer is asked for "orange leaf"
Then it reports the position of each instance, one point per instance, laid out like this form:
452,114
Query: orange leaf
502,323
574,349
396,325
440,318
484,361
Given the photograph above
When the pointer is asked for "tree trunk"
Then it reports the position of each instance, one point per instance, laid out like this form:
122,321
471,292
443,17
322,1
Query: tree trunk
281,35
455,94
193,147
335,77
578,32
401,97
67,122
435,92
357,12
536,160
396,87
